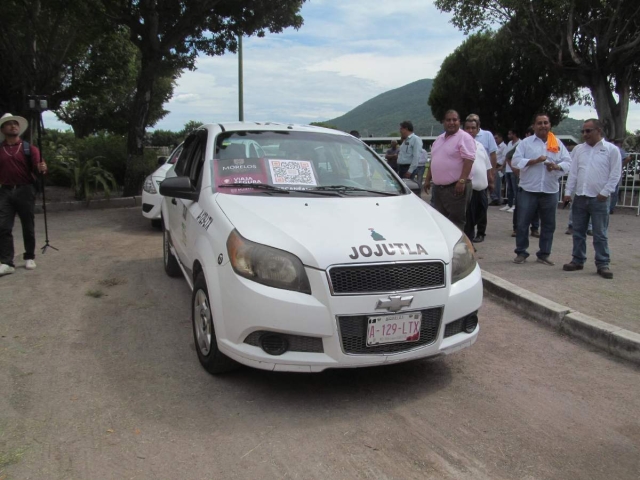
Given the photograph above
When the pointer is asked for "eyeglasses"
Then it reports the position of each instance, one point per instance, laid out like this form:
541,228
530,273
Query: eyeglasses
587,130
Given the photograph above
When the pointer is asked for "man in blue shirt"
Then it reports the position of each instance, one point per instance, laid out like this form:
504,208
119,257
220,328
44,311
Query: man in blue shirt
410,150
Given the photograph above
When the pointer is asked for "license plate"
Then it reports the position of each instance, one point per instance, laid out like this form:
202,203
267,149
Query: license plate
404,327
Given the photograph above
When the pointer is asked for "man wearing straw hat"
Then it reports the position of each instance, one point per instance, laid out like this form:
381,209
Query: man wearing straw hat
19,166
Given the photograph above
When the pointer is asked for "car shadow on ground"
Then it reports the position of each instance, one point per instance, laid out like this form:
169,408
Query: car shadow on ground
147,354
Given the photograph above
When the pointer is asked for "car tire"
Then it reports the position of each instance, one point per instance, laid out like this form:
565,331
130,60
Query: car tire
171,265
156,223
204,335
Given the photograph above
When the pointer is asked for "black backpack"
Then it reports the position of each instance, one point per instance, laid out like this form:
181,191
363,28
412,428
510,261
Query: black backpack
26,149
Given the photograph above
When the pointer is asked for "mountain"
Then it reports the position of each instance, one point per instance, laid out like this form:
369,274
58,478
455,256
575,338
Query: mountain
381,115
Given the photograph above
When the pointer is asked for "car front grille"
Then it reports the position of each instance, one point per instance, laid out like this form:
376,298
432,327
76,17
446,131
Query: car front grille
353,334
386,278
297,343
453,328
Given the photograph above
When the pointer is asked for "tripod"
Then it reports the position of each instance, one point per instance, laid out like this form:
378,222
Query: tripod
40,128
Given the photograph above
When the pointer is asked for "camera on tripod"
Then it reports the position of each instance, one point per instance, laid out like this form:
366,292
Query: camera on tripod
38,103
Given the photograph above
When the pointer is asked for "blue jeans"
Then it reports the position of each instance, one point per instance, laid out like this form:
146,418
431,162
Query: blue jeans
496,195
545,204
512,187
570,225
583,209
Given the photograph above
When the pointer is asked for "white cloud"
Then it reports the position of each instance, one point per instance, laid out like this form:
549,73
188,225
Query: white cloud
345,54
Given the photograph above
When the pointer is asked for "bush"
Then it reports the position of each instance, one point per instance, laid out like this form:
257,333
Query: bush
85,177
112,150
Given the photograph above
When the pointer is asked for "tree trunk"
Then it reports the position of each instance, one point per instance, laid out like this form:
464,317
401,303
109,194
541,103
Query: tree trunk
134,174
611,113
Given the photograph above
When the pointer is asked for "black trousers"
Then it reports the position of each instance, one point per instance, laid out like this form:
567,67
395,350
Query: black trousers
452,206
477,214
18,200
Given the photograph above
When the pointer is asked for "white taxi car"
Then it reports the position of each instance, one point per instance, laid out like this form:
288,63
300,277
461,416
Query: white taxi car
311,253
151,199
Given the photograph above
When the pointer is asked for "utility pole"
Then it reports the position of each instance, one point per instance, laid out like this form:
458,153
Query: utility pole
240,82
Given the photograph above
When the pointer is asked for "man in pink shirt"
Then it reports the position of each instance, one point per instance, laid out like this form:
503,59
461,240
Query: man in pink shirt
452,156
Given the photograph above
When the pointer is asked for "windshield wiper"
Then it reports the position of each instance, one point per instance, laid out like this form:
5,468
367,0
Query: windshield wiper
346,188
257,186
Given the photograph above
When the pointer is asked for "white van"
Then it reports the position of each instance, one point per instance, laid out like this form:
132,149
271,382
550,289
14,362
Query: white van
311,254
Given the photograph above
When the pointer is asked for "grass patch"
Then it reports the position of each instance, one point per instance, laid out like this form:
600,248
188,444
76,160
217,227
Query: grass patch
112,281
94,293
9,458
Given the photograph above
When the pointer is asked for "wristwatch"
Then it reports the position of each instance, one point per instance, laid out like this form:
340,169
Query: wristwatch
462,180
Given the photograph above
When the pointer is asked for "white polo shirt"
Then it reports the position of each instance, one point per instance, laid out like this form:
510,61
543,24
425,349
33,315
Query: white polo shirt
482,163
594,170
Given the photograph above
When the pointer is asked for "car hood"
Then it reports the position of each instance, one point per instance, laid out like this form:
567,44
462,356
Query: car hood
161,172
328,231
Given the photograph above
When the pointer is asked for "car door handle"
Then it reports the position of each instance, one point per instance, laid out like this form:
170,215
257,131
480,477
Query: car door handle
173,200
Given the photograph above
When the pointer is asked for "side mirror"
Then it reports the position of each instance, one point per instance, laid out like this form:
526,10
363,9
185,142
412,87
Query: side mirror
162,160
179,187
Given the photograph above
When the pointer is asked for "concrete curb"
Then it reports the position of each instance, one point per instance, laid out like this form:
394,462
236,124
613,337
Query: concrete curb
617,341
119,202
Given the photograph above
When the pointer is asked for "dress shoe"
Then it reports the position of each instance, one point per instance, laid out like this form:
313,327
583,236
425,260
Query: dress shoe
572,267
604,272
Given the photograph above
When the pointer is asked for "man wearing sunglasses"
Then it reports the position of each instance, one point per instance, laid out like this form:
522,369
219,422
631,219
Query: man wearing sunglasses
594,174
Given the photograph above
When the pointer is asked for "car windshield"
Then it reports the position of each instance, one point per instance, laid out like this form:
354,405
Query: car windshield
304,163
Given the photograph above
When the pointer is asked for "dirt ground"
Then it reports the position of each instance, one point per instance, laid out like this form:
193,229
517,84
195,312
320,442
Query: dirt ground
99,380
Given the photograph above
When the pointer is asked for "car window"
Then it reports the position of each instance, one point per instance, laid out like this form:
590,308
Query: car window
182,164
175,155
299,161
198,154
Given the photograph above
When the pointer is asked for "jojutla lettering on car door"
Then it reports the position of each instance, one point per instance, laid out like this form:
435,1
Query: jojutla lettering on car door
204,220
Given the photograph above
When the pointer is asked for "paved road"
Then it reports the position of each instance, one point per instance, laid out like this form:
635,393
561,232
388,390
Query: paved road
110,388
614,301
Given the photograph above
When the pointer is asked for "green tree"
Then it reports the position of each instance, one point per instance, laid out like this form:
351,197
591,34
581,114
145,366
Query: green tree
189,127
171,33
491,76
104,85
593,42
41,41
164,138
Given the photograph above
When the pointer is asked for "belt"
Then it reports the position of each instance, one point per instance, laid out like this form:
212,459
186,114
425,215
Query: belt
451,184
12,187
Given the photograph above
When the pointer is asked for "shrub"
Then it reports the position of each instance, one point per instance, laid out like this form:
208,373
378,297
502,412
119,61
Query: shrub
85,176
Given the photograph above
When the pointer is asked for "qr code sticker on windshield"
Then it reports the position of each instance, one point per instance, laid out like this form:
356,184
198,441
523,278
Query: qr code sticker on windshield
292,172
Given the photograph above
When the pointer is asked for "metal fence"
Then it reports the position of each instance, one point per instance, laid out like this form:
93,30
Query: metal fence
629,186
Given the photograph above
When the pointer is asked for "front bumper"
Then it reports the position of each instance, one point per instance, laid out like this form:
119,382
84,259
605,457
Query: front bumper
247,307
151,205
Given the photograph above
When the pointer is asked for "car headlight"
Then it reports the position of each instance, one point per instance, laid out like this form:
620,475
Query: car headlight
267,265
464,260
148,185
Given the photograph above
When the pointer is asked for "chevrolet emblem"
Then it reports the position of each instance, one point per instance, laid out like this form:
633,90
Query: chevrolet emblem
394,303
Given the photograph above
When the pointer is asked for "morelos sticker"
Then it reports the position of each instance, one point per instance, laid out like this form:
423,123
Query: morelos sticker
380,249
240,170
204,220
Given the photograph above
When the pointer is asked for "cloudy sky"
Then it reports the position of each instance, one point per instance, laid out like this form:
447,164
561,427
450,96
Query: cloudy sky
345,53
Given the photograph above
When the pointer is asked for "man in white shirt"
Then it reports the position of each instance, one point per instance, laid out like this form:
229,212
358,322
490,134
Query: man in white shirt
596,166
501,152
510,178
481,179
541,159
